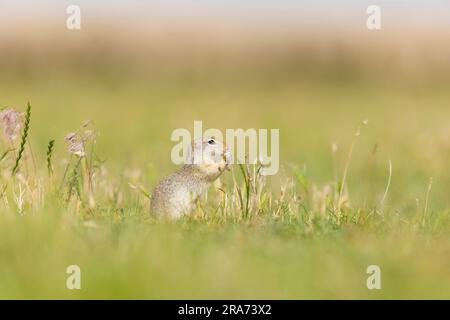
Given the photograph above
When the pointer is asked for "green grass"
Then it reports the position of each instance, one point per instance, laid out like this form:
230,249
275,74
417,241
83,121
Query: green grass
295,246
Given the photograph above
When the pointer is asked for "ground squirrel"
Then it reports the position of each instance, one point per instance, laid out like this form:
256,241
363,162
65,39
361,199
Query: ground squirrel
175,194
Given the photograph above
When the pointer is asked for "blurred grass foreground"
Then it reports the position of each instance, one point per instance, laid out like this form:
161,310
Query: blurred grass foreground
137,83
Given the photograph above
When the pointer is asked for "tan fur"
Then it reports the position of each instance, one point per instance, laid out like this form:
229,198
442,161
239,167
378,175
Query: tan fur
175,194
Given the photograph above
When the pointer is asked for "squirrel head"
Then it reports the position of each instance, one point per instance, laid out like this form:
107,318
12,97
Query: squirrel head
210,156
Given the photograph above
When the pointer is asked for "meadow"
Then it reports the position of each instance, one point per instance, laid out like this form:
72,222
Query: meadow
350,193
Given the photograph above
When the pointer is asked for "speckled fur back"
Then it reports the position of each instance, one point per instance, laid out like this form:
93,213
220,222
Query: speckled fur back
176,194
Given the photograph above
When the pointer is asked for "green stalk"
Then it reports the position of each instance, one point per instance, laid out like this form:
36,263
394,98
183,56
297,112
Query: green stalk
24,139
49,157
247,188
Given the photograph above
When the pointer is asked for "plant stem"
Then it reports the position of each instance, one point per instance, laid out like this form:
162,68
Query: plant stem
24,139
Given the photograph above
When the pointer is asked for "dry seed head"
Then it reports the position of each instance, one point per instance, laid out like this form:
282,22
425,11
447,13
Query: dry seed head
11,122
86,123
75,144
71,136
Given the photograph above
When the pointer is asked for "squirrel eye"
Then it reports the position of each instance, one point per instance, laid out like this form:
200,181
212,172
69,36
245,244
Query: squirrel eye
211,141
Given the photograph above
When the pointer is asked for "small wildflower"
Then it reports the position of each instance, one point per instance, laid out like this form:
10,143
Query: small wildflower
11,122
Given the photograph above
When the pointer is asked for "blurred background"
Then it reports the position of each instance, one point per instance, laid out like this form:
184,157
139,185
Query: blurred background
140,69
